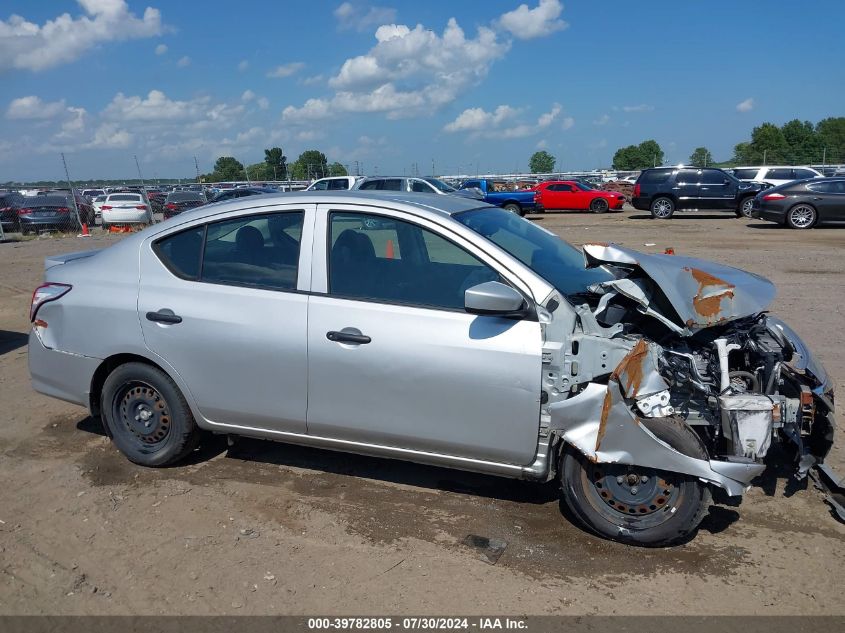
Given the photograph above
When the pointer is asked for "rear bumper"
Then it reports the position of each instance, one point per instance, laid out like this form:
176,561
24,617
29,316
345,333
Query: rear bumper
51,223
125,217
60,374
642,204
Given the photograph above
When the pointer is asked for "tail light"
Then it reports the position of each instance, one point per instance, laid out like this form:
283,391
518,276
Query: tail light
536,196
141,207
774,196
636,191
24,211
62,209
105,207
171,206
44,294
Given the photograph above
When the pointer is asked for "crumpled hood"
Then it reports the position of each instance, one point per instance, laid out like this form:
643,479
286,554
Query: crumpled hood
702,293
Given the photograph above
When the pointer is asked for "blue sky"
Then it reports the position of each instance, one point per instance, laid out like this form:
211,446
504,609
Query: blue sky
467,85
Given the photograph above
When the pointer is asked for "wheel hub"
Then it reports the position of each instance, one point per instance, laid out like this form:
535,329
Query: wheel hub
144,413
631,490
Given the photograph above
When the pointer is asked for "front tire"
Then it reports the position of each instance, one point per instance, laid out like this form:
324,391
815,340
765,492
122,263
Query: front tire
147,416
745,206
802,216
599,205
513,207
662,208
636,505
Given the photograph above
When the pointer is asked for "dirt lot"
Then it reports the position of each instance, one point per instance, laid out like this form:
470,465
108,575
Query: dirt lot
269,528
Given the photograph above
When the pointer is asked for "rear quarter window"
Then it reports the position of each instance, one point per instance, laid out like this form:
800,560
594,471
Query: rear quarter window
654,176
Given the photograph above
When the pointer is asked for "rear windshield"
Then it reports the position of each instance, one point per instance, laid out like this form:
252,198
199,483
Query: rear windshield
49,201
124,197
183,196
654,176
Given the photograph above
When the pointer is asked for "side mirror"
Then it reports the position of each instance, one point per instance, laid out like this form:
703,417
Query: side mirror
494,298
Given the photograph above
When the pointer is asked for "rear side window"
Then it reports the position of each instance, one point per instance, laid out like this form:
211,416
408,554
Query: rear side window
803,173
654,176
779,174
712,177
689,177
371,184
392,184
835,186
339,184
259,251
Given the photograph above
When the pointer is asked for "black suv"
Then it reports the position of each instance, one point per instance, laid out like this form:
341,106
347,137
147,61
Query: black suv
10,202
663,190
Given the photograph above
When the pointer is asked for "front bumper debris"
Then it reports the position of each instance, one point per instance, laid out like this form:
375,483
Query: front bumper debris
832,487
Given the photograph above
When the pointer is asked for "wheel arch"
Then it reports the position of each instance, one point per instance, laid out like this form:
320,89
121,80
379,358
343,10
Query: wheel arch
102,372
511,201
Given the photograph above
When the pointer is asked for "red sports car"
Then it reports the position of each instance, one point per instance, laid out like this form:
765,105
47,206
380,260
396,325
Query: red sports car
571,194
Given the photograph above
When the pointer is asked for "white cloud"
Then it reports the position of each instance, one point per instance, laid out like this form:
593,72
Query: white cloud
25,45
525,24
745,106
360,18
482,123
110,136
263,103
161,49
243,65
310,81
568,122
409,72
285,70
643,107
184,62
74,124
602,120
248,95
541,144
33,107
473,119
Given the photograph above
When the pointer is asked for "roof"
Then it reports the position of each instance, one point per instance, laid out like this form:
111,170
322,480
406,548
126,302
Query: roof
428,203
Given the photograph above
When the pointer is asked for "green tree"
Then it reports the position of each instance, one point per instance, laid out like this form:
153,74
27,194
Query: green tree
260,171
802,140
336,169
768,145
701,157
831,136
541,162
277,162
742,153
310,164
646,154
226,168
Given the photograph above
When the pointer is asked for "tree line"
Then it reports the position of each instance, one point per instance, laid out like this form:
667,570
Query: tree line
794,143
310,165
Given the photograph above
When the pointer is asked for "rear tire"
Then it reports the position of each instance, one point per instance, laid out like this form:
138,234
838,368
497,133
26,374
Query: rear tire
662,208
635,505
513,207
147,416
599,205
802,216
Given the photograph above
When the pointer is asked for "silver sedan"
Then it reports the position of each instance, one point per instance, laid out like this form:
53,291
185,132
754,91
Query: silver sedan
440,330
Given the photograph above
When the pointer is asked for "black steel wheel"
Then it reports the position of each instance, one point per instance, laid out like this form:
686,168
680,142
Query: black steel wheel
636,505
147,416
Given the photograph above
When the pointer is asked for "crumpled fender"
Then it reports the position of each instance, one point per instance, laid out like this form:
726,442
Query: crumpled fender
599,423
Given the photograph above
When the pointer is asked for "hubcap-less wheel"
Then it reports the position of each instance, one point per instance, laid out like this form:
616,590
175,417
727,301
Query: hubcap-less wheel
662,208
618,492
144,413
802,216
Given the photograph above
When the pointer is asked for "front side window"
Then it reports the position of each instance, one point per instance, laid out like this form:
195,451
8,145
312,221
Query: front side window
803,173
371,184
320,185
338,184
382,259
260,251
421,187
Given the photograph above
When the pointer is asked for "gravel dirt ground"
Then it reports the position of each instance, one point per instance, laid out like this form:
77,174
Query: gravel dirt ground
265,528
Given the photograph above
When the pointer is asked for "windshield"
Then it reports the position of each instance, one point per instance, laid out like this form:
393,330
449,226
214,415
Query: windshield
583,186
440,185
556,261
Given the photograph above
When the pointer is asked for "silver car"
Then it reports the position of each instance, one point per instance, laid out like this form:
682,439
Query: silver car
453,333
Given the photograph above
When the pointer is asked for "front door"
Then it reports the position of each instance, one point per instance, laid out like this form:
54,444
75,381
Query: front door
393,358
218,302
717,191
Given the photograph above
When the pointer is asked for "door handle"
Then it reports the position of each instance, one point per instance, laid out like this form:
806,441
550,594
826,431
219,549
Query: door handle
164,315
348,337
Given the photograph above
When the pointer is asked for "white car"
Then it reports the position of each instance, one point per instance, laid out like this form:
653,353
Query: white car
125,208
334,183
97,203
774,174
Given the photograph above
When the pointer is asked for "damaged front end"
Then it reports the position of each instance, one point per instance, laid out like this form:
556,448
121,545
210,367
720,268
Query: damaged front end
676,338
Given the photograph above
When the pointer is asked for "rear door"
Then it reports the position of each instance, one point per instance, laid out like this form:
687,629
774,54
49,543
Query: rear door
687,188
224,305
828,196
394,360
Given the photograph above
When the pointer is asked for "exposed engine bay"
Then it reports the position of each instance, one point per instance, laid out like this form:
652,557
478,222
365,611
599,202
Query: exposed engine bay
679,338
